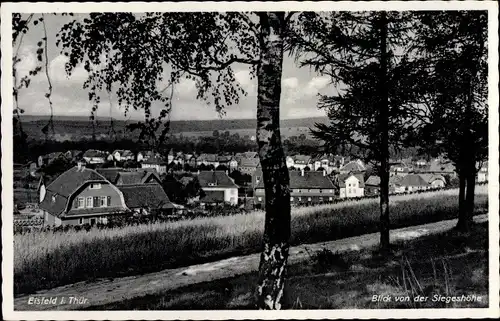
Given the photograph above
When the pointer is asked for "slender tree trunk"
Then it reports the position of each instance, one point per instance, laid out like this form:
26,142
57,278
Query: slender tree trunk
274,257
384,136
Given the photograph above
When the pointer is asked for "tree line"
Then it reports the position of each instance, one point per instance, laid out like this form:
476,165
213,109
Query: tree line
398,80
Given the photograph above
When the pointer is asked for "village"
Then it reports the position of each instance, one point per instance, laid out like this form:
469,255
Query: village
89,187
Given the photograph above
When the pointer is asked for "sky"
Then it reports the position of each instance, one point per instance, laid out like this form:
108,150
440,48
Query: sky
300,87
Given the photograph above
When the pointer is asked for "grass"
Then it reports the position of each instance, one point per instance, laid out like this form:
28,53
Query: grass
46,260
447,264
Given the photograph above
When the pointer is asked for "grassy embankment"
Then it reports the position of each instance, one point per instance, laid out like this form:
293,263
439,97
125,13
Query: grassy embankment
46,260
434,268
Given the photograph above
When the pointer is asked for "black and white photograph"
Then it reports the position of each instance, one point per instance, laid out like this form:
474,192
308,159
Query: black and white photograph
193,160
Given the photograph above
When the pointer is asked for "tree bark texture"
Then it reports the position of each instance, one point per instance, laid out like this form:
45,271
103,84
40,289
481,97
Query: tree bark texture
272,269
384,135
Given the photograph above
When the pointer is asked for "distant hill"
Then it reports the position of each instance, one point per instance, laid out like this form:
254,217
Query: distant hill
71,127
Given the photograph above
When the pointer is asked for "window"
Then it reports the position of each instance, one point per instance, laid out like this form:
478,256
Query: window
260,199
103,201
331,191
92,221
291,199
89,202
80,221
330,198
108,202
80,203
321,198
300,198
95,185
309,199
211,184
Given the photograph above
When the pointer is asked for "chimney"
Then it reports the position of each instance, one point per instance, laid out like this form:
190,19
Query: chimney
301,172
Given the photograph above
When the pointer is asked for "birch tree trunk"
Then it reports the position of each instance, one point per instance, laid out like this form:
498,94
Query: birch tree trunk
384,136
274,257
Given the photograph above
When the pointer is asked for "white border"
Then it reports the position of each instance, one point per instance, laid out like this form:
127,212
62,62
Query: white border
7,154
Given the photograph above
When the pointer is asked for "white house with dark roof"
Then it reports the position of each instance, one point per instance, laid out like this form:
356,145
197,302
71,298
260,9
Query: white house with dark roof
82,195
218,186
122,155
156,163
299,162
351,185
93,156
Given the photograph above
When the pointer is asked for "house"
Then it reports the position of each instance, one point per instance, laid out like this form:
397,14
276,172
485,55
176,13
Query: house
93,156
82,195
355,166
190,160
225,160
220,182
299,162
400,168
49,158
248,165
170,156
482,175
434,180
326,162
439,166
130,176
121,155
207,159
395,184
372,185
144,198
156,163
351,185
412,183
306,188
239,156
73,155
421,162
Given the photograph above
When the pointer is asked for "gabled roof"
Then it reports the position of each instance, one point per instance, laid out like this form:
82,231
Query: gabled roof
343,177
353,166
395,180
429,178
249,162
373,180
213,197
247,155
219,178
155,161
145,196
413,180
121,176
208,157
94,153
302,159
310,180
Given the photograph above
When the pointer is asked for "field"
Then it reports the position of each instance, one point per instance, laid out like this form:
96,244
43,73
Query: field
67,128
45,260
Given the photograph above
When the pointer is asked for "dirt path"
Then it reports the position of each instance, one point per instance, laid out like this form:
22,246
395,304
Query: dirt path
109,291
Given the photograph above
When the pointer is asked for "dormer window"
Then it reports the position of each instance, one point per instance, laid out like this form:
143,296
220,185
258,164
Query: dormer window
212,184
95,185
53,198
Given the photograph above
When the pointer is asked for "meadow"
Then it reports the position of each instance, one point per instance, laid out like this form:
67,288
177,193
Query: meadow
47,259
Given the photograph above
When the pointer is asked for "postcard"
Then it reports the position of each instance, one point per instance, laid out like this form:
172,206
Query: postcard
263,160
